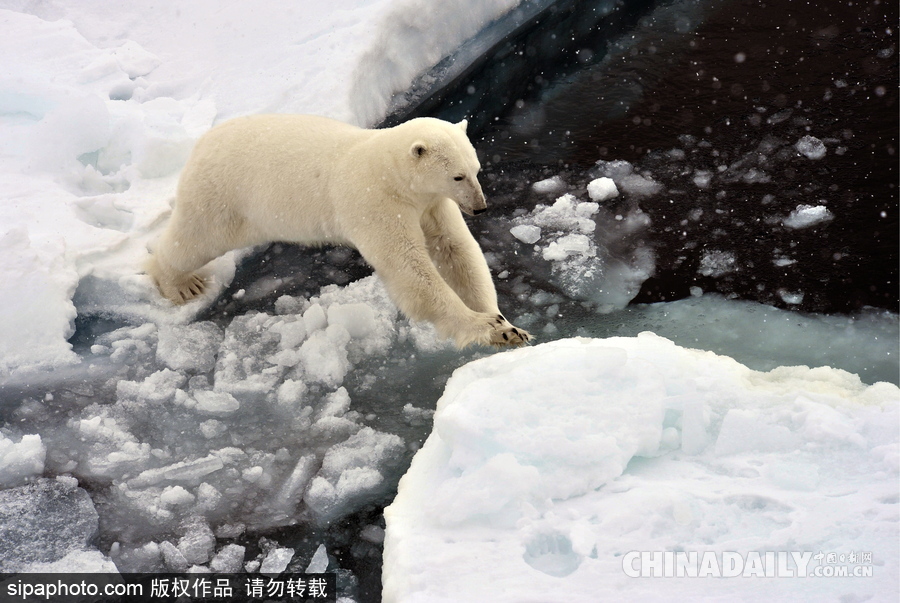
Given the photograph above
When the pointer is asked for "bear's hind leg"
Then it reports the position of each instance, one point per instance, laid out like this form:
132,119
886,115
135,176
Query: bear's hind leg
185,247
177,286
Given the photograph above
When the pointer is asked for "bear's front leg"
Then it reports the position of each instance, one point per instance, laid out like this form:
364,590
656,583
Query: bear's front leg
401,260
460,262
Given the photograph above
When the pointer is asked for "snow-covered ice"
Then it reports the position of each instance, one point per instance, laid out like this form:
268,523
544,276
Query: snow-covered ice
99,111
559,460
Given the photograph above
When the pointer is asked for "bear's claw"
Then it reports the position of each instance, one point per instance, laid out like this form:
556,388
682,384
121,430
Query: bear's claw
191,288
504,334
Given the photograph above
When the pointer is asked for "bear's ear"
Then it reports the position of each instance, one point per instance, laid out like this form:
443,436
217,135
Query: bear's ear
462,125
418,149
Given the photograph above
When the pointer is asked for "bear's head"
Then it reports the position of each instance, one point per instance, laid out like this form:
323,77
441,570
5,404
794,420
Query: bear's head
444,163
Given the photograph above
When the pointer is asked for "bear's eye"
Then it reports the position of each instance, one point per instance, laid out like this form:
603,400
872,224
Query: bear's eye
459,178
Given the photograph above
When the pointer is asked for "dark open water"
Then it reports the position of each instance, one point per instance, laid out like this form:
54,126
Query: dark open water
726,87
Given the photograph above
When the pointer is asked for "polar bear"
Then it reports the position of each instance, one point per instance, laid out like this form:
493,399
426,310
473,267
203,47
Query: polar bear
395,194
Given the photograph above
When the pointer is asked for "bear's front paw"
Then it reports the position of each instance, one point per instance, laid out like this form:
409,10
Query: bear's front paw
505,334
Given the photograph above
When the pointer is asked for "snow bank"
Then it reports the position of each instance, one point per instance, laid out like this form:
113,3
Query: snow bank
548,465
414,35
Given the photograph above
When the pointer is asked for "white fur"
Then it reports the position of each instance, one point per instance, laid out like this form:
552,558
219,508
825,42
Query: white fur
394,194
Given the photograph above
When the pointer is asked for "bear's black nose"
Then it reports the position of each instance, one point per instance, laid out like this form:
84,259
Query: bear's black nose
479,211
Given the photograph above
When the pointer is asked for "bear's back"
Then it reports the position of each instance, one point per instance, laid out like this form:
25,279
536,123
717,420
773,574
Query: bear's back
278,137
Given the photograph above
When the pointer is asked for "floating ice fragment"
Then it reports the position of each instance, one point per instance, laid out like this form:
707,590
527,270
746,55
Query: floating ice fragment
626,180
324,355
565,246
702,178
189,347
602,189
314,318
276,561
173,558
807,215
198,544
186,471
20,460
76,562
790,297
527,233
358,319
176,496
319,562
216,403
810,147
716,263
229,560
549,186
158,387
639,186
43,522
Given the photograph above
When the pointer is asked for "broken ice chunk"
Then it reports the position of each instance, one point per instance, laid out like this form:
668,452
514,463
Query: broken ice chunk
358,319
189,347
810,147
527,233
186,471
805,216
549,186
319,562
791,297
20,460
563,247
602,189
43,522
198,544
216,403
716,263
229,560
172,557
276,561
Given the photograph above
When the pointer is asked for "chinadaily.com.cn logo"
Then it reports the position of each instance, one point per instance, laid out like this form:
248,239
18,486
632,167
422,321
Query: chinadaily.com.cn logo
728,564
